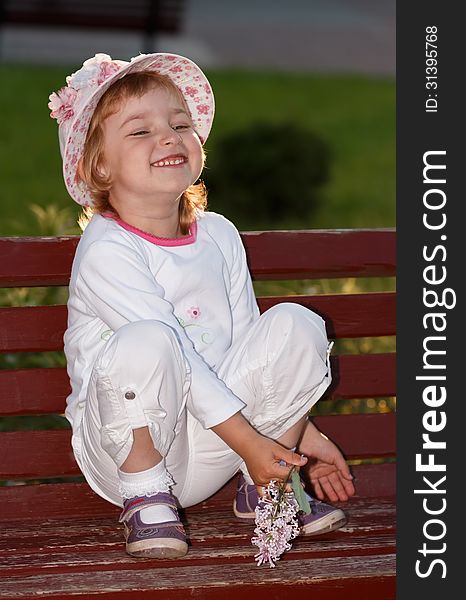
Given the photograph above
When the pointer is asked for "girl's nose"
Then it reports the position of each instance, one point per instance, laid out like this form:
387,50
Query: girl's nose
169,137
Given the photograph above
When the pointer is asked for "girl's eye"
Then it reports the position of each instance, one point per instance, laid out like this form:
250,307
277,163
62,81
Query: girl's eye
181,127
142,132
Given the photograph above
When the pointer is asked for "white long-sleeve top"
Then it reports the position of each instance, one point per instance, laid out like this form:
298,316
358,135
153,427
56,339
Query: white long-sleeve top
199,285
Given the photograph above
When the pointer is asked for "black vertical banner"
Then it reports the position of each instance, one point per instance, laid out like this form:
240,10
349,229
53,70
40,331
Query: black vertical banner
431,165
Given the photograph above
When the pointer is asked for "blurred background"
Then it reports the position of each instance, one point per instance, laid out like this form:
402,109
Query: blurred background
303,138
304,134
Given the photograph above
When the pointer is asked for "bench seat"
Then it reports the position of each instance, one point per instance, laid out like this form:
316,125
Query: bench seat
84,555
60,540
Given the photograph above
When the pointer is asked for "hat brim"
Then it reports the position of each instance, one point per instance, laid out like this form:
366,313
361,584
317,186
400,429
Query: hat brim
184,73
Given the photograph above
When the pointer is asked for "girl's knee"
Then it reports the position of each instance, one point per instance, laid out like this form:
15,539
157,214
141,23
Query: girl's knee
141,337
303,322
141,348
298,336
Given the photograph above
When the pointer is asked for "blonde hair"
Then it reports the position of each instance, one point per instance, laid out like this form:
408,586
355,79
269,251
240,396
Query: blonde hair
89,170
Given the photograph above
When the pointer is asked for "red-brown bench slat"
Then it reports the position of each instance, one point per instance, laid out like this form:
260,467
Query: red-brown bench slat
44,390
332,578
321,254
39,391
32,328
36,454
309,254
36,261
68,500
359,436
211,524
233,544
347,315
362,376
41,328
217,539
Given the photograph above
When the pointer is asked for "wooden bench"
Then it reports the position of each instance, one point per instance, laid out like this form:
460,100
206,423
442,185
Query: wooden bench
59,539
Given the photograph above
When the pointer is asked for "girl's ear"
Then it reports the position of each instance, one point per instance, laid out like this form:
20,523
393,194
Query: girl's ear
102,169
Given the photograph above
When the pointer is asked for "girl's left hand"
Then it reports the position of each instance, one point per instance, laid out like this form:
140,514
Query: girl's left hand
327,469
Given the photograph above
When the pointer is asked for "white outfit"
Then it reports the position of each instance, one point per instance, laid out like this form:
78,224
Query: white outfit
167,334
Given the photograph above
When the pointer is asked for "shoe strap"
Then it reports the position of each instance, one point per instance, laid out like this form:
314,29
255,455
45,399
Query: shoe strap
134,505
248,489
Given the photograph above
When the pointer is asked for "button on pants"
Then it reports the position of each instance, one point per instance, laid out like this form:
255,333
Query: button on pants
279,369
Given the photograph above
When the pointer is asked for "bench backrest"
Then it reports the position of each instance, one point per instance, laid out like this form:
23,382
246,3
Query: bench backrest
272,255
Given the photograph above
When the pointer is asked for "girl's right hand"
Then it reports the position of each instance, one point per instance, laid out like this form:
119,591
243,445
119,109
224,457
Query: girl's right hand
261,454
267,460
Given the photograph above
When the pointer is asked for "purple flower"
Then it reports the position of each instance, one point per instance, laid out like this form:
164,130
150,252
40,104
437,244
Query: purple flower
276,524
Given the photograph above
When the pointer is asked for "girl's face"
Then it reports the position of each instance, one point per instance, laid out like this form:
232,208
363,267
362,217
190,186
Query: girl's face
151,152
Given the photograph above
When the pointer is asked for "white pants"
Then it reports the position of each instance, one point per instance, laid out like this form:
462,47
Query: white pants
280,368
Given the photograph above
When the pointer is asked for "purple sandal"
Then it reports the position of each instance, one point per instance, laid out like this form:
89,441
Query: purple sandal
158,540
322,519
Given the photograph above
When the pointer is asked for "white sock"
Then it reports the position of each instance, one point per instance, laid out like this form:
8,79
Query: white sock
246,475
157,513
147,483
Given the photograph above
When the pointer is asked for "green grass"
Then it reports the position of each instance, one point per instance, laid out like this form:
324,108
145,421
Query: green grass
355,115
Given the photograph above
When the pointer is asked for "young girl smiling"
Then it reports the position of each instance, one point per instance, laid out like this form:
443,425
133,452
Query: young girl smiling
177,380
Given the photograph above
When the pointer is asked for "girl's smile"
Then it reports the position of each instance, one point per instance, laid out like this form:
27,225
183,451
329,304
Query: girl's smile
176,160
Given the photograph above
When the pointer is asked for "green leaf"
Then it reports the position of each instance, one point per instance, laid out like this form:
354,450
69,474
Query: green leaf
299,494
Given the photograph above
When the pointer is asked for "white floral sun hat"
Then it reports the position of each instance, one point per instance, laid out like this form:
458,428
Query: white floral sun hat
74,104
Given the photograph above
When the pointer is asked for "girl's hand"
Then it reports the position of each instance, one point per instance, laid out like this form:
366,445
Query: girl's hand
327,468
263,461
261,454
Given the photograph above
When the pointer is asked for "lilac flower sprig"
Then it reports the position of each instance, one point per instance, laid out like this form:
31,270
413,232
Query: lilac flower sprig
277,519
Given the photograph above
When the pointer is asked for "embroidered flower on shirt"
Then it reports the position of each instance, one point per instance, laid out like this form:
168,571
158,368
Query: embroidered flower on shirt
194,312
198,331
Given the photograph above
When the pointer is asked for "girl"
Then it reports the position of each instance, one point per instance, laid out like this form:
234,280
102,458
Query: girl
177,380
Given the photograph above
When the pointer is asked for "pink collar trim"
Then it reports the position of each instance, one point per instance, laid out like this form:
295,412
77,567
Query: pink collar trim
159,241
